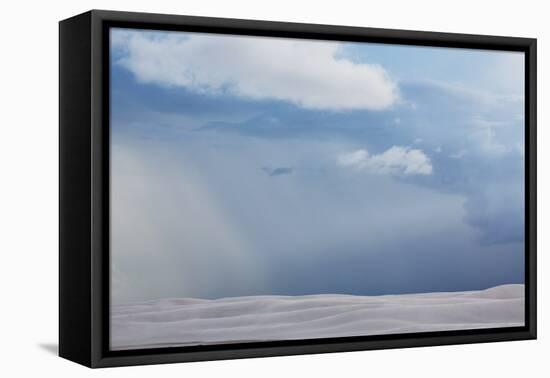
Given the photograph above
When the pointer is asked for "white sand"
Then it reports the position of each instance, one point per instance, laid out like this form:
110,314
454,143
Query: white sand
177,322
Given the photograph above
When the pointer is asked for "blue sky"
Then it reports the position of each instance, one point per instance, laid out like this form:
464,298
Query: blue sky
252,166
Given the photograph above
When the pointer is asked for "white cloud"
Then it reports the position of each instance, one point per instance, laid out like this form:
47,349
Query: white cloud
484,135
458,155
396,160
306,73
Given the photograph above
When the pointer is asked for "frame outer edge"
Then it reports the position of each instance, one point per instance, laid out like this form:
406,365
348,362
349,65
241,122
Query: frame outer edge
532,111
75,304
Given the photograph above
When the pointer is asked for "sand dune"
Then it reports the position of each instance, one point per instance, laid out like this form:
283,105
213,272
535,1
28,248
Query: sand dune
189,321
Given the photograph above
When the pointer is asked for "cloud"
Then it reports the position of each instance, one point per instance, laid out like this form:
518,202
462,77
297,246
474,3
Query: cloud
279,171
306,73
458,155
501,217
167,228
484,134
396,160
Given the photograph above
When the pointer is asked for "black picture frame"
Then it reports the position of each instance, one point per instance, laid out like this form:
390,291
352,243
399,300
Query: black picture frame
84,188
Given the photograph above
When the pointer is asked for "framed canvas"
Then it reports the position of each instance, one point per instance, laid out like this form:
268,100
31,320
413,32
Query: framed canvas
234,188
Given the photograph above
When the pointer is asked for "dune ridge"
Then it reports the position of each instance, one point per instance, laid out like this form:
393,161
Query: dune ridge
190,321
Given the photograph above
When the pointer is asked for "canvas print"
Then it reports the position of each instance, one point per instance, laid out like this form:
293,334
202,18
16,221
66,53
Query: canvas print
266,189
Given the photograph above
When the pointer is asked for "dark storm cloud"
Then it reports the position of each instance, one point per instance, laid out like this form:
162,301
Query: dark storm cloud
279,171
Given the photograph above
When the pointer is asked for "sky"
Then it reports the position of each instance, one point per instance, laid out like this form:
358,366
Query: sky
266,166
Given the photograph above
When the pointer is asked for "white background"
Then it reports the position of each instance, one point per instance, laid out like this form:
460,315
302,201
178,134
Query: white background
29,187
